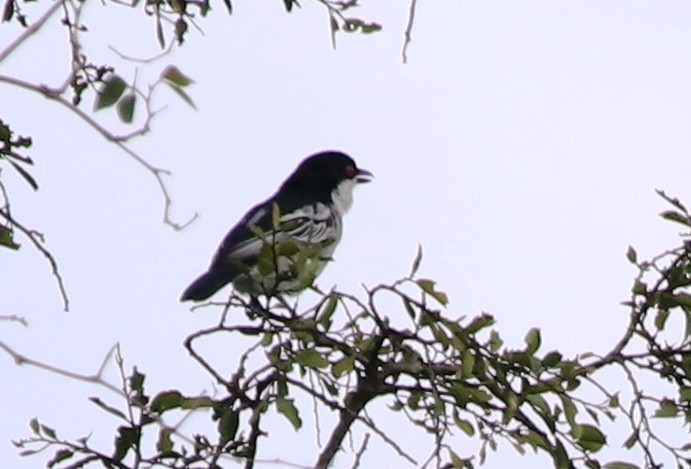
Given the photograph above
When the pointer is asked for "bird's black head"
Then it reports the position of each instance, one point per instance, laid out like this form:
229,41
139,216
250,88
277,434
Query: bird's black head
324,172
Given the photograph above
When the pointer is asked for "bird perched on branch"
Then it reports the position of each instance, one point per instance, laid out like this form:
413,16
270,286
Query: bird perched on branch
282,244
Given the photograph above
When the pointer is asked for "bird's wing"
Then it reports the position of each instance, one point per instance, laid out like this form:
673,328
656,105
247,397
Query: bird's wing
311,224
241,243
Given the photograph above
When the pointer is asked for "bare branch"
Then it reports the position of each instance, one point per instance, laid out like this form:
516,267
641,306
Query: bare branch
95,378
37,240
15,318
408,34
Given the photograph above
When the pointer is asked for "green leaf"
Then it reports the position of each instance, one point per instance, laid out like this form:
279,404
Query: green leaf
5,132
181,28
368,28
570,410
552,359
8,11
684,300
6,238
639,288
631,440
620,465
137,381
465,426
416,262
35,426
685,394
480,322
159,33
328,311
180,92
344,365
275,216
49,432
196,402
457,462
228,425
661,318
538,401
287,248
467,363
511,408
589,437
127,438
287,408
166,400
312,359
631,255
535,440
29,452
125,108
267,339
60,455
409,308
675,217
110,92
428,287
24,173
533,341
667,409
495,341
165,443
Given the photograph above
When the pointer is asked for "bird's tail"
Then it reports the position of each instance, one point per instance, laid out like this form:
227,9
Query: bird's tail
206,285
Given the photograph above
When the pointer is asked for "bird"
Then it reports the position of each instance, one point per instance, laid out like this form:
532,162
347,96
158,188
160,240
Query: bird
283,243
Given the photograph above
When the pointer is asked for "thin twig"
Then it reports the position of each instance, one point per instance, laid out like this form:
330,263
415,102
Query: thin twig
148,60
361,451
408,33
96,378
15,318
36,240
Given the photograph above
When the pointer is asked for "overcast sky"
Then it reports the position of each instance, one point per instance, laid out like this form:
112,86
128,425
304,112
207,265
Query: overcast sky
520,146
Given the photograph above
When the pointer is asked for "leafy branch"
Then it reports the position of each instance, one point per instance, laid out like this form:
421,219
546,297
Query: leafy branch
440,373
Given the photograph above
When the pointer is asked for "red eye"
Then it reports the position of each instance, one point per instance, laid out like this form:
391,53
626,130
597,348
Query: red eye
350,171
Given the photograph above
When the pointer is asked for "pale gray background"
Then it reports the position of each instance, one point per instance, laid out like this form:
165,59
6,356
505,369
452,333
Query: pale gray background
521,147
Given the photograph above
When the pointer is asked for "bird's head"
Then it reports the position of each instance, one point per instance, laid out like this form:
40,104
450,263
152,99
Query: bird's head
331,174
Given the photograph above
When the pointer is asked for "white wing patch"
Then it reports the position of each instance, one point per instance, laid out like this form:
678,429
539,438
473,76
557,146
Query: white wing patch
312,225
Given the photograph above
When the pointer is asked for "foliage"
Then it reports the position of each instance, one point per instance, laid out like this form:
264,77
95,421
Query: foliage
444,375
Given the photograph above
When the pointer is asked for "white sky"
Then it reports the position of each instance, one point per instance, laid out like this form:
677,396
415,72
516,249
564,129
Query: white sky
521,147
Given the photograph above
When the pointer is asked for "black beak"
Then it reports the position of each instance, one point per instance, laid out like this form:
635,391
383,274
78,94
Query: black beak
363,176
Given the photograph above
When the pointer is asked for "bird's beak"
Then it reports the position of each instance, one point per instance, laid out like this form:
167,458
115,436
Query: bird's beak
363,176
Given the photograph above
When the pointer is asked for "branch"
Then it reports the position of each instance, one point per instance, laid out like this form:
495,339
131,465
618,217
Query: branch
96,378
37,241
117,140
354,404
15,318
30,31
408,34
